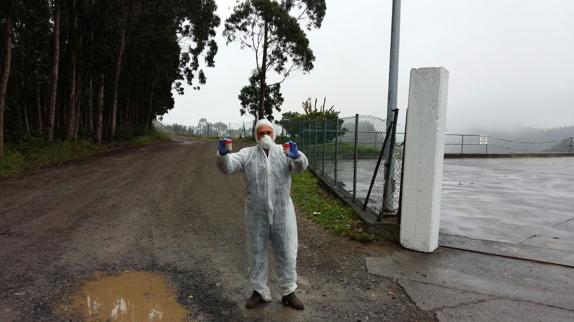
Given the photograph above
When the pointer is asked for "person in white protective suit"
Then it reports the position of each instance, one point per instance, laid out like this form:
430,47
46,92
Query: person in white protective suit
269,211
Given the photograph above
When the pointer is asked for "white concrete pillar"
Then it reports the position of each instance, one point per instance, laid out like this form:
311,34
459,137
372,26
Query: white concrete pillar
424,153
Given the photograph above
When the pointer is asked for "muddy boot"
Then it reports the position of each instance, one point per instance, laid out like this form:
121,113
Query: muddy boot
292,301
254,301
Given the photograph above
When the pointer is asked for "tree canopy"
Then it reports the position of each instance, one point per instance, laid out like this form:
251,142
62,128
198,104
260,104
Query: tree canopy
84,68
250,94
274,31
314,120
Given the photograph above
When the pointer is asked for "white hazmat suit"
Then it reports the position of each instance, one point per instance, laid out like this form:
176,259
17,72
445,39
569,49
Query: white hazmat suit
269,212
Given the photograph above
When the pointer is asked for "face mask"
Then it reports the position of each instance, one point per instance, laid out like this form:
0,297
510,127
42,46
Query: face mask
266,142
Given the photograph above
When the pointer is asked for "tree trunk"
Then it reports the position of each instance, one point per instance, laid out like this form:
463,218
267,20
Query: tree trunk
100,110
147,115
54,75
17,106
90,113
38,104
121,47
77,102
6,32
71,115
262,75
26,120
19,117
121,117
78,118
74,42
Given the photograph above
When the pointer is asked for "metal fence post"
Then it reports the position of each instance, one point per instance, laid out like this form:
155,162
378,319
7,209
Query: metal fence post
336,146
324,142
302,133
315,147
462,145
376,172
355,155
571,144
388,182
309,143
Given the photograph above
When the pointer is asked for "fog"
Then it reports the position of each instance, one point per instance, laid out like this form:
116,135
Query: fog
511,63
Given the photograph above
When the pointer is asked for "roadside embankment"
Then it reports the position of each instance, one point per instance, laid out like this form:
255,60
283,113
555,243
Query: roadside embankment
32,152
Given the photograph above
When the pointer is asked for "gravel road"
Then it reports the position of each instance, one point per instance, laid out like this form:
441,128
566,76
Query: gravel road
165,208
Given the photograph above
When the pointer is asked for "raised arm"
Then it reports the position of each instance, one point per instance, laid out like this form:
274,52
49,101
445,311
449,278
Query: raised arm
231,162
300,164
297,159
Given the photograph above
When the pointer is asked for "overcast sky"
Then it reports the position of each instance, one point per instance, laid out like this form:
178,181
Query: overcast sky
511,62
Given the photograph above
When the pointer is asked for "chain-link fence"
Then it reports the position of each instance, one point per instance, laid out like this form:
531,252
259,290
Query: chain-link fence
351,155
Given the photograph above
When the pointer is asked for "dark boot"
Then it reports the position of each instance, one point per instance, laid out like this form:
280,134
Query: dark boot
254,301
292,301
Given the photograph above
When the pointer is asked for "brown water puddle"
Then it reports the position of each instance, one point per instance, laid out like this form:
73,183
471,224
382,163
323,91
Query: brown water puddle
131,296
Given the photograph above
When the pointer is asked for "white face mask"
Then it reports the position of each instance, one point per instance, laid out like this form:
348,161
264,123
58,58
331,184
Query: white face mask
266,142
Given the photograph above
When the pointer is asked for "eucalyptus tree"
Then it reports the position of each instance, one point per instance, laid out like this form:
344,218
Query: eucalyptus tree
23,32
54,72
99,68
192,22
6,23
275,32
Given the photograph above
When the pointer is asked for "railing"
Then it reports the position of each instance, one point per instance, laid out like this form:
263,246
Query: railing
481,144
472,140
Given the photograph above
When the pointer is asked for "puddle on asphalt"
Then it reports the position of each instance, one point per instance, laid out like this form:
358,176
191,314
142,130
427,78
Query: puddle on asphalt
131,296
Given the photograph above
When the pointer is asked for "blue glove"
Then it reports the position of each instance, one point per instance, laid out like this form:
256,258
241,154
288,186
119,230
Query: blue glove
221,149
293,151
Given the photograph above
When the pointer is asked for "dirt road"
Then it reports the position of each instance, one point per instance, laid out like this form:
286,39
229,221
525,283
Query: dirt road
166,209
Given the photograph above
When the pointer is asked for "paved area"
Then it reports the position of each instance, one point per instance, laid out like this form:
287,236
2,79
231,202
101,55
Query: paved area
519,206
523,201
467,286
517,218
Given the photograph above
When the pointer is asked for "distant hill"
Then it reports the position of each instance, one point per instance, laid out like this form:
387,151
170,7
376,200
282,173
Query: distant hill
567,145
518,140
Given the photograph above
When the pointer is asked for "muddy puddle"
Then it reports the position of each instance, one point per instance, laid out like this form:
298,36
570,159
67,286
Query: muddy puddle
130,296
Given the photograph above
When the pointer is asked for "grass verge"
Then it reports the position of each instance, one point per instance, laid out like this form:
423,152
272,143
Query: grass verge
32,152
342,148
317,203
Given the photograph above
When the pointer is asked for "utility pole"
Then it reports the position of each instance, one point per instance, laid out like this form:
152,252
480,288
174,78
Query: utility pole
392,89
394,61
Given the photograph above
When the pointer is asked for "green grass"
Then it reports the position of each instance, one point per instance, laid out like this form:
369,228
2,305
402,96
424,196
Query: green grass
31,152
315,202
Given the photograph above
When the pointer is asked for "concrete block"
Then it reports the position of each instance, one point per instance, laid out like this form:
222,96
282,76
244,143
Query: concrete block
424,153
